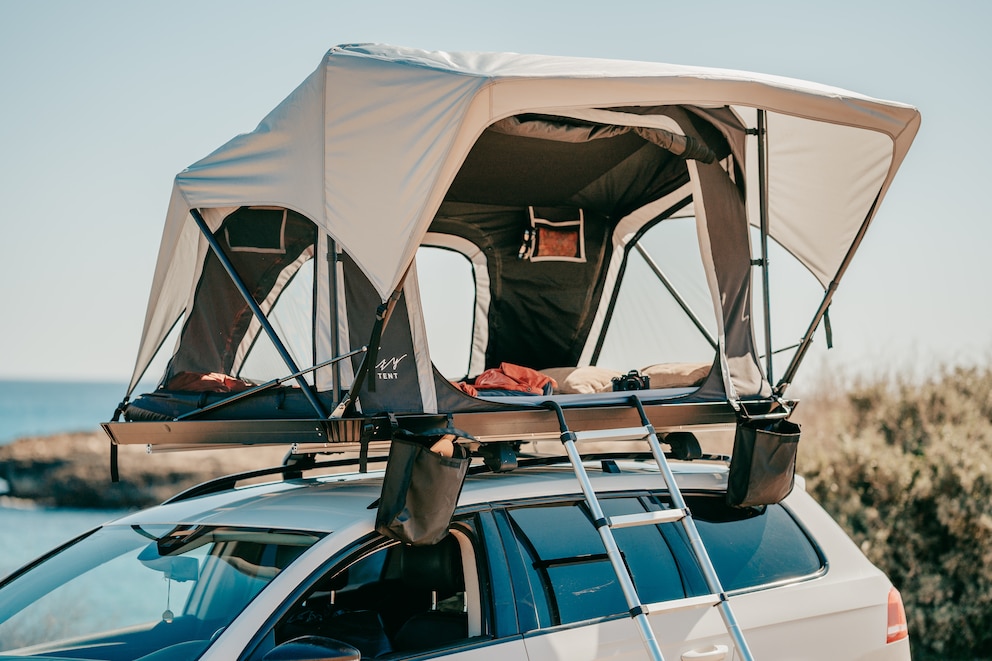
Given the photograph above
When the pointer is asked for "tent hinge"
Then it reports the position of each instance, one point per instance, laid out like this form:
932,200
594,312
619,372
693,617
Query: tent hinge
751,131
758,262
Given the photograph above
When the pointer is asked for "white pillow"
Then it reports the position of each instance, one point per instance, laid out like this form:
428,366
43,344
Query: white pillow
676,375
582,380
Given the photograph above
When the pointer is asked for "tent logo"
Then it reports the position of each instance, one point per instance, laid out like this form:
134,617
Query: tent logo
387,368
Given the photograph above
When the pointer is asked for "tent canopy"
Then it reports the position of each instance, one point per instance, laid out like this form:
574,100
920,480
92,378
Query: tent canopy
382,150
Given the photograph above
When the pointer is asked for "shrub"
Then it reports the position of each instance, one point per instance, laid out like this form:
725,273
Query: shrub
904,467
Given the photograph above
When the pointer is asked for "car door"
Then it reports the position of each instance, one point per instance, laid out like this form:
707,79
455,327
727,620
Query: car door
394,601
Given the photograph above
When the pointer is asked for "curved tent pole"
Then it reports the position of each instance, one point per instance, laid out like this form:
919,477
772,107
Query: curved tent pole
257,311
821,312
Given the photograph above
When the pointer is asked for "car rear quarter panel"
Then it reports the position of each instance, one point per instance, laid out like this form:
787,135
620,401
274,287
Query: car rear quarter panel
839,614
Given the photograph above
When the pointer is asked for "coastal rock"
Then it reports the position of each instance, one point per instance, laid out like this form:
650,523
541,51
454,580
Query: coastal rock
73,470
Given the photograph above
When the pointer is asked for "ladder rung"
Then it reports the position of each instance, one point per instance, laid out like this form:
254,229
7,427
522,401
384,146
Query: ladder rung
673,605
646,518
621,434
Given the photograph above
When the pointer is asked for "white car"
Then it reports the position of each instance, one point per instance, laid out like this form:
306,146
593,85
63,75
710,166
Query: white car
294,569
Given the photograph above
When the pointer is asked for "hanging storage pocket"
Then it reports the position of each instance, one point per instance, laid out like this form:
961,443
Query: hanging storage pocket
763,465
420,488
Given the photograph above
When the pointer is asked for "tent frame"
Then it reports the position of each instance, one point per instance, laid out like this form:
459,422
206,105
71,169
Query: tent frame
762,133
257,311
821,312
806,129
523,422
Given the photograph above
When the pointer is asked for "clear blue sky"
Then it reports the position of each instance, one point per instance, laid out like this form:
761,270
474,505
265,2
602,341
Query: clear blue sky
103,102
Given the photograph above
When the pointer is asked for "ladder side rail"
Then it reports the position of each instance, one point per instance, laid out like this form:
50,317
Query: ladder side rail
695,541
637,611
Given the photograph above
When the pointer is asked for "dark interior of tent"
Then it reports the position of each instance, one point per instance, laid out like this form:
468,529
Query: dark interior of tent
540,196
554,169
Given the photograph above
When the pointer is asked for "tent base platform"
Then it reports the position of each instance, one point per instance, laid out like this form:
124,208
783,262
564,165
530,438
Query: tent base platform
526,424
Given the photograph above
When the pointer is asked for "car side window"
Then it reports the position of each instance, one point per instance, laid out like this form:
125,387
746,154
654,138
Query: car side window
572,579
568,565
393,600
752,547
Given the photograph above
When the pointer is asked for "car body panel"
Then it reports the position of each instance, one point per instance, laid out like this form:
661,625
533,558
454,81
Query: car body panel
796,619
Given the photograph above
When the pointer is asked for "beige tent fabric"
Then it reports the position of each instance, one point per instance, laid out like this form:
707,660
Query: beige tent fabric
368,144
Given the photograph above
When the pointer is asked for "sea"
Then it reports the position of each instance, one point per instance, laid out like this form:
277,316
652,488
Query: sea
41,408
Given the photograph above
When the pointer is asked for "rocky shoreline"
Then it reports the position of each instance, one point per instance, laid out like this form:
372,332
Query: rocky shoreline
73,470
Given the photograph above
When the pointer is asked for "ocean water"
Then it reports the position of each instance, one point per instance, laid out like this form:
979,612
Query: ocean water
39,408
29,532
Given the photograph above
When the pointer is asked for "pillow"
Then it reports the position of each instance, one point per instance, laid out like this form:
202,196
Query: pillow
582,380
676,375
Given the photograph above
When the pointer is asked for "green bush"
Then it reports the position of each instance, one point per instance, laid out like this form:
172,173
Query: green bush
904,467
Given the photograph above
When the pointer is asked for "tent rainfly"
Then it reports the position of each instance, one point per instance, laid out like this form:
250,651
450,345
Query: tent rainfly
547,175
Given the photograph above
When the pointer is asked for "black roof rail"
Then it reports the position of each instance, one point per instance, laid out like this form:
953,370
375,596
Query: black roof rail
526,461
289,471
296,464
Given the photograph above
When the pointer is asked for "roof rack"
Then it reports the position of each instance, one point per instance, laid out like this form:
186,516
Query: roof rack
296,465
291,470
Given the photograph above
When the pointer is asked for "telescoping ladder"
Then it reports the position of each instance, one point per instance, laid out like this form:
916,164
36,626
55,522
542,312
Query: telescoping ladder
679,512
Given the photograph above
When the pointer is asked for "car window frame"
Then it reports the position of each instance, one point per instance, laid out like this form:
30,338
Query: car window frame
474,524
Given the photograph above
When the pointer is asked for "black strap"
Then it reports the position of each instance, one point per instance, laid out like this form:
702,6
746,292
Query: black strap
115,475
382,314
826,328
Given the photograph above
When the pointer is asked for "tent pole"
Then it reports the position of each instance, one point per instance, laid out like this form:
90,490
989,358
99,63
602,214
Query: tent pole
821,312
807,340
763,212
257,311
268,385
678,298
332,259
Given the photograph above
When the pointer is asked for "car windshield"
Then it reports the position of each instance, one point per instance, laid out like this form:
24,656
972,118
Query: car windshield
124,592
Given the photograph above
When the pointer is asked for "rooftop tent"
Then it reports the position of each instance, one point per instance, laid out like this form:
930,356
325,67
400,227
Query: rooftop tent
544,173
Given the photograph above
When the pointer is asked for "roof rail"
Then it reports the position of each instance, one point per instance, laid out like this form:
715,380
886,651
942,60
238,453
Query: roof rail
289,471
297,464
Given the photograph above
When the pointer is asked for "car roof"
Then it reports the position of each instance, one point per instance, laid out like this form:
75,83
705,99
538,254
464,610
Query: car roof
331,502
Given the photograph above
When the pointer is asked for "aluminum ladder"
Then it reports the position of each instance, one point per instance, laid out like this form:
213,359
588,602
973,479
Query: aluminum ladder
679,512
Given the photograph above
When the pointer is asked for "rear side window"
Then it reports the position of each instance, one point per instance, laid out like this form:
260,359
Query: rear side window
572,579
750,547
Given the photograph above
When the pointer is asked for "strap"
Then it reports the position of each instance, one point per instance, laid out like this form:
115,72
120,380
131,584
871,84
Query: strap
826,328
115,475
381,317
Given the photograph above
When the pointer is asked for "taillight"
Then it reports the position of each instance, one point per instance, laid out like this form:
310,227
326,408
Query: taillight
897,628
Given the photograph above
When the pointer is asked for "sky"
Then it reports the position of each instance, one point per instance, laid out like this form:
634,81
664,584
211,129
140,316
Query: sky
103,102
